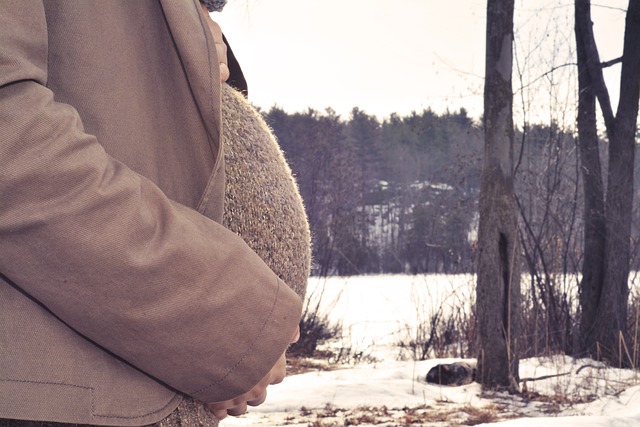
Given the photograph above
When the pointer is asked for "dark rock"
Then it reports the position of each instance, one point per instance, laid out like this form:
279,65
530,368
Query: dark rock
455,374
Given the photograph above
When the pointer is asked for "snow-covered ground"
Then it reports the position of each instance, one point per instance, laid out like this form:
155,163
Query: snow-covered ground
375,311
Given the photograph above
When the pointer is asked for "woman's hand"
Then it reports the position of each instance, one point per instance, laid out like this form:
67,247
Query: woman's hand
254,397
257,395
221,47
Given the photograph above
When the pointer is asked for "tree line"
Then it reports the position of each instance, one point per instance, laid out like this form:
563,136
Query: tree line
385,196
400,195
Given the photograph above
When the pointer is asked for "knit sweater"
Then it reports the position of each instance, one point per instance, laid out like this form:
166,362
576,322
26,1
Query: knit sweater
263,206
262,201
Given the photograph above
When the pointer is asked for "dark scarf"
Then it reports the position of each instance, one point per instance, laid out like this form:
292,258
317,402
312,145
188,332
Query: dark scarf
214,5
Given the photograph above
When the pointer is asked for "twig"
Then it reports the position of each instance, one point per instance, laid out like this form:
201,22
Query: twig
545,377
606,64
587,366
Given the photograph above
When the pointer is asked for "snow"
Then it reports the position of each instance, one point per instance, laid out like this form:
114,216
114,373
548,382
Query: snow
374,311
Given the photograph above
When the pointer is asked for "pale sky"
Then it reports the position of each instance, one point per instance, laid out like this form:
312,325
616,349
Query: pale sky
387,56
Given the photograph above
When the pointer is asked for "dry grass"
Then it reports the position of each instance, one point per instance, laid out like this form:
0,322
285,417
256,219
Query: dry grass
300,365
439,415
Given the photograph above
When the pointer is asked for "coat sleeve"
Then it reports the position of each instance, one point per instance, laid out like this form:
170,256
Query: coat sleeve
149,280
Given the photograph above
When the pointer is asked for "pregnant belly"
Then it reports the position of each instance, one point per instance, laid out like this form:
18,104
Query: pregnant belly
262,201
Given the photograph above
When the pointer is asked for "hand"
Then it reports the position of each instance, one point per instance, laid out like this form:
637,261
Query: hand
221,47
258,394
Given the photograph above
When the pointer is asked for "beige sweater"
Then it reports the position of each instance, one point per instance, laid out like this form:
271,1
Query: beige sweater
262,202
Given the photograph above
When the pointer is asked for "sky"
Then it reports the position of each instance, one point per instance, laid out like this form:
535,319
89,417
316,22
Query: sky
397,56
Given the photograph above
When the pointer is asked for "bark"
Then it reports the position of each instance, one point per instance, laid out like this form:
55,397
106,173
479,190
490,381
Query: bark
604,333
594,216
498,280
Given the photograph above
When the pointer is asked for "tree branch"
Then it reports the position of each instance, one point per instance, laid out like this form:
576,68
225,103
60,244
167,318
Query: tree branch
545,74
611,62
584,26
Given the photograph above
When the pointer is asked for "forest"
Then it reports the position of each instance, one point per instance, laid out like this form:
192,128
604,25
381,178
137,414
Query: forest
543,212
400,195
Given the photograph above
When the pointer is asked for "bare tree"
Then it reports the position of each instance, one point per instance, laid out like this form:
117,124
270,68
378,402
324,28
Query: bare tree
498,280
604,288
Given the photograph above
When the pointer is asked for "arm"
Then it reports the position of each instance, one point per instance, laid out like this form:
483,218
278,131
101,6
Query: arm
150,280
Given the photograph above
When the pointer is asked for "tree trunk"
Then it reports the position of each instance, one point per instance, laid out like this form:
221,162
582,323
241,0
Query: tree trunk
606,333
498,281
594,217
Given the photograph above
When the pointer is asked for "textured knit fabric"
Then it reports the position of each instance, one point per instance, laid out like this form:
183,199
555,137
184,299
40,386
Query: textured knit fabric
190,413
214,5
262,201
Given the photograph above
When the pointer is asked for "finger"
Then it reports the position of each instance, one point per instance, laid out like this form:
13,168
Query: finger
238,410
222,406
279,371
296,335
224,72
220,414
221,51
259,400
220,45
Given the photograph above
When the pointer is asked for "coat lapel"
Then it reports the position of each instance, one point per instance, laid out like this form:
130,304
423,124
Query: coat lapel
197,52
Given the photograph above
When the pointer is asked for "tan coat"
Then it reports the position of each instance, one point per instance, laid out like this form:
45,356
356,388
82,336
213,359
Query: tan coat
119,288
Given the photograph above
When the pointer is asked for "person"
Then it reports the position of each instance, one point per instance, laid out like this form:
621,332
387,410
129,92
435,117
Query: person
124,300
